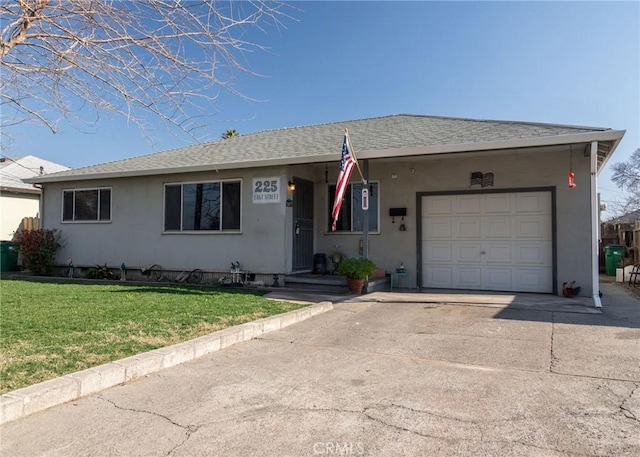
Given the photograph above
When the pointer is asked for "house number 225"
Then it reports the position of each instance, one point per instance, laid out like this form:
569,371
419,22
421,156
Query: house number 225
266,189
266,186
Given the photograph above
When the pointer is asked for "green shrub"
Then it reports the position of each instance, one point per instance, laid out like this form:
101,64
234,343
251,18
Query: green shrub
356,268
38,249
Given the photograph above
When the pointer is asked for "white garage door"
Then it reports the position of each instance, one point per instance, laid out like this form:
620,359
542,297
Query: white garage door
497,241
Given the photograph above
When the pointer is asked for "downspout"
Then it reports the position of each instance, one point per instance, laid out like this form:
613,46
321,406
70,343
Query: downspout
595,217
40,204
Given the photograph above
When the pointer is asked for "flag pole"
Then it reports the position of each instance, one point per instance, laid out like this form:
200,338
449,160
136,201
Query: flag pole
365,213
353,153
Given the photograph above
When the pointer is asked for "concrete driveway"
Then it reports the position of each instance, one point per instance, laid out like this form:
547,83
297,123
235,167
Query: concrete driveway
380,378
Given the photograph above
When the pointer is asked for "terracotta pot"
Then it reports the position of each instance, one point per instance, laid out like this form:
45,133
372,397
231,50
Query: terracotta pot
355,285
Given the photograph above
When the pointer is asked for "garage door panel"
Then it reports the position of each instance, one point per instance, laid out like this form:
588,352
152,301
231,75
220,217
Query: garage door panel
532,279
467,228
497,227
496,241
500,253
497,278
532,227
439,277
439,228
467,278
498,204
465,253
532,253
439,252
468,204
533,202
441,205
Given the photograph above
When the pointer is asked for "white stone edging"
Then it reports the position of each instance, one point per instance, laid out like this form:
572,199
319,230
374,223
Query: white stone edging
38,397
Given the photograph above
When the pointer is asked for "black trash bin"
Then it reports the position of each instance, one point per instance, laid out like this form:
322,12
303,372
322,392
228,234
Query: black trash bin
319,264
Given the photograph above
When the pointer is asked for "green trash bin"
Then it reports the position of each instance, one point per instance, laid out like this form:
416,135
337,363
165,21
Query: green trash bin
613,255
8,256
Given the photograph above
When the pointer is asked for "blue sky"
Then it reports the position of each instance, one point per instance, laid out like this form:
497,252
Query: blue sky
569,63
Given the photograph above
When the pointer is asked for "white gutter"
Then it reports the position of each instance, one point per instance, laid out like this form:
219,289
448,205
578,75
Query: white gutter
41,208
20,190
595,211
605,135
188,169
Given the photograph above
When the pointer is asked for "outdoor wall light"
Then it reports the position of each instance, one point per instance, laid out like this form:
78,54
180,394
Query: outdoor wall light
291,186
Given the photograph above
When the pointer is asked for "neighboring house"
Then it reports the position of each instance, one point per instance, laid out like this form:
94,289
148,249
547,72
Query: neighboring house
487,203
19,199
623,230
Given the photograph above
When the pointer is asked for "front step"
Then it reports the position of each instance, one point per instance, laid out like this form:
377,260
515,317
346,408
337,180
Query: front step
325,283
378,284
331,283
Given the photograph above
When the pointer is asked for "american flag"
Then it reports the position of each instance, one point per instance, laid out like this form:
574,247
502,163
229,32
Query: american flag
347,162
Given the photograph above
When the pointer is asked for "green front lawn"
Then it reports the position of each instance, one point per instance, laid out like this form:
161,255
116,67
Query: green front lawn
52,329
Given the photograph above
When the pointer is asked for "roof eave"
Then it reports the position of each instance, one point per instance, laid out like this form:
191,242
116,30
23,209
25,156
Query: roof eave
191,169
20,190
603,135
614,145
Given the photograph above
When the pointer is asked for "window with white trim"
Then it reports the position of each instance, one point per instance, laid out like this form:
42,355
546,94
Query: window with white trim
86,205
206,206
350,218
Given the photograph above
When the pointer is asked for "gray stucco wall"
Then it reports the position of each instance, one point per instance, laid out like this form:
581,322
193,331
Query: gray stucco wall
519,170
135,234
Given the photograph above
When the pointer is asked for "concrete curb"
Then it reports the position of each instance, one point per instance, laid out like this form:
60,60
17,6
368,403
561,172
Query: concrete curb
23,402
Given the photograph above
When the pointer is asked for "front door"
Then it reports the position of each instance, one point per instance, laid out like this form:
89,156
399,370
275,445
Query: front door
302,224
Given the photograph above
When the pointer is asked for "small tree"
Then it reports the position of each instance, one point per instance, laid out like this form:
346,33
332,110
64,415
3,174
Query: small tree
626,175
230,133
38,249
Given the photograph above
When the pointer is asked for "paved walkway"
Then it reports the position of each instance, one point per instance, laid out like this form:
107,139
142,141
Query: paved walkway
379,377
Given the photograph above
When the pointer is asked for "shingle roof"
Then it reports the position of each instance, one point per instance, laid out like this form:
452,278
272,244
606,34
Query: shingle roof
322,142
14,171
629,218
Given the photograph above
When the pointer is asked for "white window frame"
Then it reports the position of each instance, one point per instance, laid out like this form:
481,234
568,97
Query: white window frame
81,189
351,232
199,232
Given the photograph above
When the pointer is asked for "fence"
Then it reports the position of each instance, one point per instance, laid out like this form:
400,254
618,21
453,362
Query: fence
30,223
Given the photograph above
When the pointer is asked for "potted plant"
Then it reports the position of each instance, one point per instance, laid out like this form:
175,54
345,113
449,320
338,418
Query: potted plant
356,269
569,289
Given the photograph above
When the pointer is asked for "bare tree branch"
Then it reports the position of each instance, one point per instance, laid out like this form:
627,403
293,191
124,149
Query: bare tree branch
626,175
163,59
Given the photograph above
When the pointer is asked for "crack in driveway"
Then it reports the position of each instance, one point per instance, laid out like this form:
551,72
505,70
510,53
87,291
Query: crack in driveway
366,412
188,429
626,412
553,359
